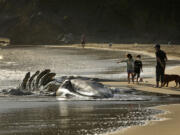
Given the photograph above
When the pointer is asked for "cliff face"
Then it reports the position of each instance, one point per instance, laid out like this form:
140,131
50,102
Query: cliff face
121,21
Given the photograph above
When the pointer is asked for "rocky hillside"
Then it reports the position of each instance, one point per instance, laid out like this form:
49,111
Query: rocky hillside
120,21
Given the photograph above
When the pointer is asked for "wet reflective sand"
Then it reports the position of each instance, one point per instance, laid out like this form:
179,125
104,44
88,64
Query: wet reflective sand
44,116
16,62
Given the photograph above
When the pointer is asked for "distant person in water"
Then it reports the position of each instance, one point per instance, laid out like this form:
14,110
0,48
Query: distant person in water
161,59
130,67
83,41
137,67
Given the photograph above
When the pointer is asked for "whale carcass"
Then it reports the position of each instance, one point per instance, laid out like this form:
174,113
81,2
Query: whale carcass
46,84
71,88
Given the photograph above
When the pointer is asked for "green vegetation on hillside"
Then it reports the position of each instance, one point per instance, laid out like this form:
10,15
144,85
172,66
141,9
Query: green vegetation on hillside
121,21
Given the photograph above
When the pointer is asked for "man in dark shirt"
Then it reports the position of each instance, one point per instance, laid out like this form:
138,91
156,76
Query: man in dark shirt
161,59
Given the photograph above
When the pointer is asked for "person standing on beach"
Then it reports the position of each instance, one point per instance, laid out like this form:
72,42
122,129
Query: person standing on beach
137,67
161,60
83,40
130,67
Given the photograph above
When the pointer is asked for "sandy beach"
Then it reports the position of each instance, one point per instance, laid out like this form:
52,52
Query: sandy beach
149,84
168,126
171,120
173,53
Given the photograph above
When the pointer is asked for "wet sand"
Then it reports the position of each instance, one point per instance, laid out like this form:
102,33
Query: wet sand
149,84
171,122
168,126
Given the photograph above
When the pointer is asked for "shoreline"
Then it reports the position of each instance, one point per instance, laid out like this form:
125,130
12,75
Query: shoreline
171,120
145,49
167,125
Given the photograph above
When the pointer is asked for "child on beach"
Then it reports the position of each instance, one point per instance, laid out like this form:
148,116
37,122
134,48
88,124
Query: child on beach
130,67
137,67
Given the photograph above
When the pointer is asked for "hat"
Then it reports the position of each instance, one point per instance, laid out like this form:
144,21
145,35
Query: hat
157,46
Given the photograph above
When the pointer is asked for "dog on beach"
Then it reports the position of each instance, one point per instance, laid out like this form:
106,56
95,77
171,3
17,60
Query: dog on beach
178,81
170,78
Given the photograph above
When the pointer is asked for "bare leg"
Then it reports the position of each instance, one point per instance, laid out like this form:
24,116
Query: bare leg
132,75
157,84
163,84
137,79
167,84
128,77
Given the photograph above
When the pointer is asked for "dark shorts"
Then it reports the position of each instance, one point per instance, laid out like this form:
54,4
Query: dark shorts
130,71
137,72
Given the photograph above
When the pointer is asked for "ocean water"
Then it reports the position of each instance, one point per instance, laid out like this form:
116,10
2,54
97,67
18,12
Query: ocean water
16,62
29,115
44,116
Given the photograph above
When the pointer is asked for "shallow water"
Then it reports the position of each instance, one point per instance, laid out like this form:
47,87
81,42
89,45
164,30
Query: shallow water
42,115
34,116
46,115
16,62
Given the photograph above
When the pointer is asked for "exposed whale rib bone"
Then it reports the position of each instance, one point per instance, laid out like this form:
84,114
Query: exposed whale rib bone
31,79
46,71
47,78
45,83
25,80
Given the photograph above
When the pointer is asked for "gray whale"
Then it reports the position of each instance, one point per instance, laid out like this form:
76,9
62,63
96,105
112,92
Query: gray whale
44,83
74,88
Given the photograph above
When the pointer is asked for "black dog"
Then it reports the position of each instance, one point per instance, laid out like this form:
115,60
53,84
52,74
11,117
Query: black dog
169,78
177,81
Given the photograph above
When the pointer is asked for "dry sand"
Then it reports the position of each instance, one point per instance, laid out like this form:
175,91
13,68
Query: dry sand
148,49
